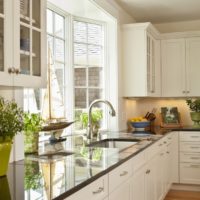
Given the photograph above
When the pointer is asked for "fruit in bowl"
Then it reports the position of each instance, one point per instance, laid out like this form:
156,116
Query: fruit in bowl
139,122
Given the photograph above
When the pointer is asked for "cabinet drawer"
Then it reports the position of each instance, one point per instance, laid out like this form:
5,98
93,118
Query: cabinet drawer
190,173
138,161
189,147
190,157
97,190
190,136
119,175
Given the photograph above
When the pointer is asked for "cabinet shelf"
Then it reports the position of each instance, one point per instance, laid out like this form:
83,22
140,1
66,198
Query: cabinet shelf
27,18
27,53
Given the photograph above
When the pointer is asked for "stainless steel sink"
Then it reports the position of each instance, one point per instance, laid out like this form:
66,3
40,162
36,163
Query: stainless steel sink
114,143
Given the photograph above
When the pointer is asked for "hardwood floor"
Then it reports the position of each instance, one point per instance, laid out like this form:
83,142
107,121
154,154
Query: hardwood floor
182,195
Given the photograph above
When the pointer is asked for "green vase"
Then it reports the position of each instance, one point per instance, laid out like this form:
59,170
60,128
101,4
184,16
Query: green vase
5,149
4,189
195,116
31,142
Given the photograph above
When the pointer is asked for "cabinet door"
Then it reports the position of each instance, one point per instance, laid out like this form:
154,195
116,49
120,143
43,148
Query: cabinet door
122,192
192,66
29,43
138,186
150,180
153,66
173,68
6,41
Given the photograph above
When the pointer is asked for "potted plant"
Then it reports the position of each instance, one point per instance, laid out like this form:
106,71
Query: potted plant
97,115
32,125
11,123
194,105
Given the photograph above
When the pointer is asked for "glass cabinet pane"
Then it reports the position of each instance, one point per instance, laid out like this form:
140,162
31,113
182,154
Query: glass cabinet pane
1,6
24,50
36,54
25,11
36,12
1,44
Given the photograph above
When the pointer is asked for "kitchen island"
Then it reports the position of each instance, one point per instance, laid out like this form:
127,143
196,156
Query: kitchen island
59,176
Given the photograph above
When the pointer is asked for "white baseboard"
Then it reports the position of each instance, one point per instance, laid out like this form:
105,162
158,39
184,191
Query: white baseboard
186,187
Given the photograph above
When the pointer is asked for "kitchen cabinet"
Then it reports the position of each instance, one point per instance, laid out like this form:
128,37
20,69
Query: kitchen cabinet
180,67
122,192
97,190
141,60
23,43
119,182
189,150
144,177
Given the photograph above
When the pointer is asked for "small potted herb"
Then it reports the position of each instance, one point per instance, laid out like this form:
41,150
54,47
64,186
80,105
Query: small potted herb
32,125
194,105
11,123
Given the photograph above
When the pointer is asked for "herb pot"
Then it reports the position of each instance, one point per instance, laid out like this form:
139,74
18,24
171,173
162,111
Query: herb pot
195,116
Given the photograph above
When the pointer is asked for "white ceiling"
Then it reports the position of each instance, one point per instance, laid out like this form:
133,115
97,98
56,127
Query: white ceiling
161,11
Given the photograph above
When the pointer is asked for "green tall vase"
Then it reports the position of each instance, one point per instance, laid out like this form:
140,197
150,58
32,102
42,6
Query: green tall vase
5,149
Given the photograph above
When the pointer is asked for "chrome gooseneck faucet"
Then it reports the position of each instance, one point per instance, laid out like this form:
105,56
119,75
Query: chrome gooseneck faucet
112,113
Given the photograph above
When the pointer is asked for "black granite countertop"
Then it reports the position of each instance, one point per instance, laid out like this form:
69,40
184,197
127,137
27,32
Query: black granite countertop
58,176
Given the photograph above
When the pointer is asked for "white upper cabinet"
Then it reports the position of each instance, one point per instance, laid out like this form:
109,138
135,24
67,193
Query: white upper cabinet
193,66
23,48
180,67
141,60
173,67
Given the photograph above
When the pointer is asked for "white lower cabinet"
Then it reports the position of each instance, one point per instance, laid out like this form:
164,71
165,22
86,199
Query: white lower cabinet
97,190
189,157
149,174
123,192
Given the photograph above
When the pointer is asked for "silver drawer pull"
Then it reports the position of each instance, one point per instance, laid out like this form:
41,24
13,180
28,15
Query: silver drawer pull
195,166
124,173
168,152
195,158
148,171
195,136
194,147
164,142
98,191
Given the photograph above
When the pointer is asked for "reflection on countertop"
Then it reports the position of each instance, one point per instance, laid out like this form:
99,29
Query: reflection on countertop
55,176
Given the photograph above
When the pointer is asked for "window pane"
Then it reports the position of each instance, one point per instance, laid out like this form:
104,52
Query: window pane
94,94
50,43
80,77
59,50
94,55
95,35
49,21
60,76
80,98
59,26
80,54
80,29
95,76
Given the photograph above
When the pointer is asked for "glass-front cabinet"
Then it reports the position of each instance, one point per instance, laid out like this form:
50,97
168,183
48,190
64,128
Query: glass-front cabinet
25,61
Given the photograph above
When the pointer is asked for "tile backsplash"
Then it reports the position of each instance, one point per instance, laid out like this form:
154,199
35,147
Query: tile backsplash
139,107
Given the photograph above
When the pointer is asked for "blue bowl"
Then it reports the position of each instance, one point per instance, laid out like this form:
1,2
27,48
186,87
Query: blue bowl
140,124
